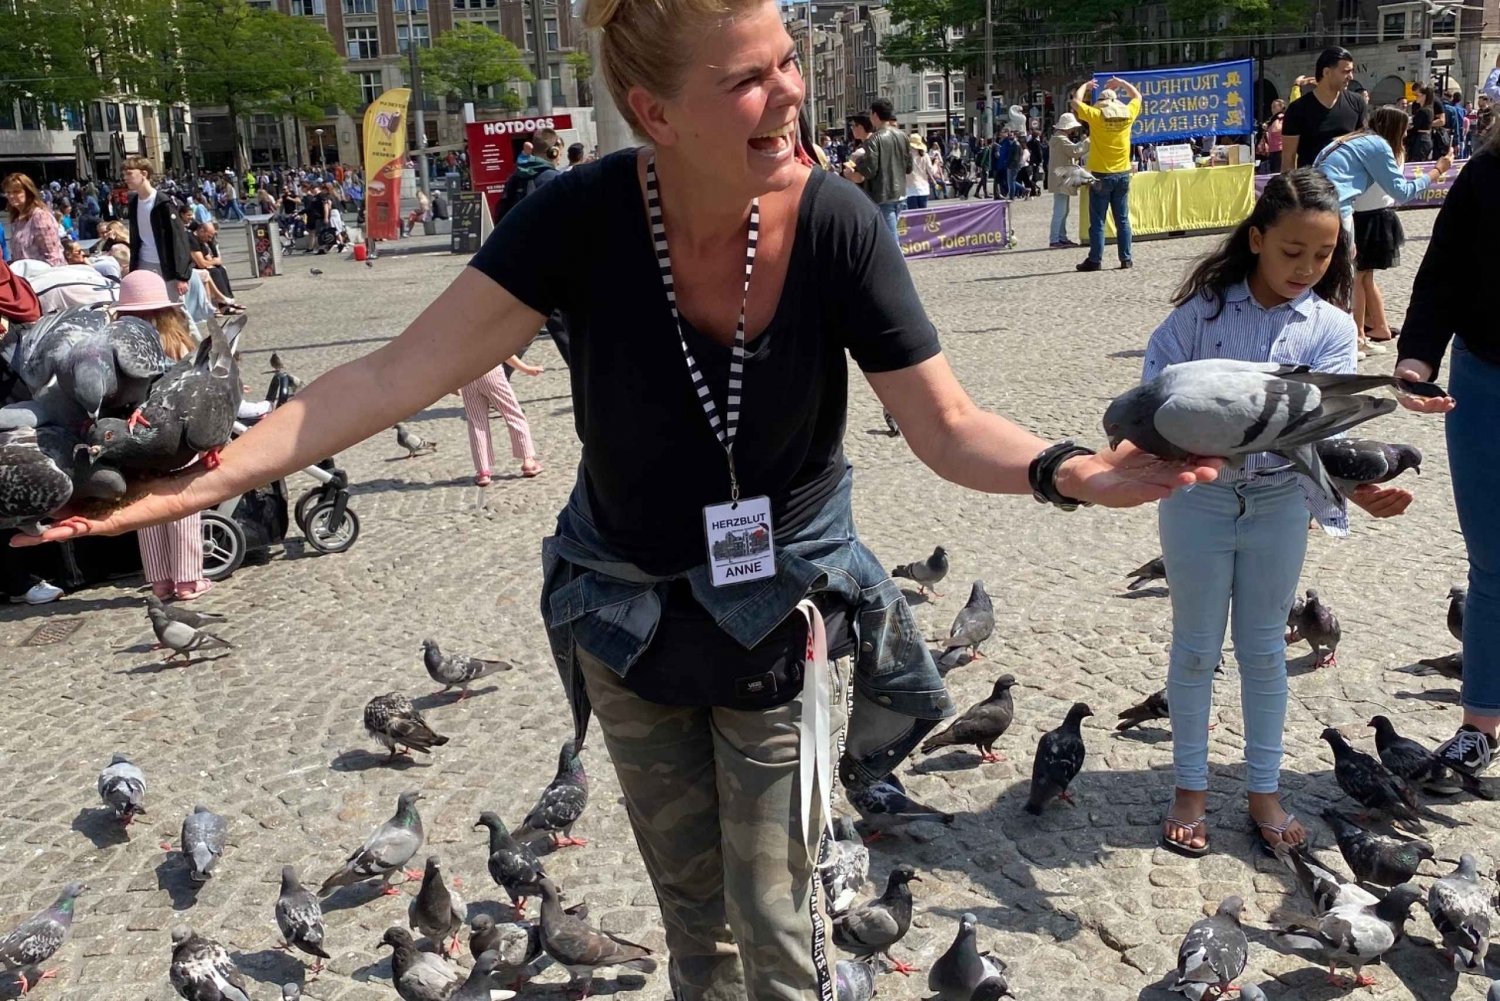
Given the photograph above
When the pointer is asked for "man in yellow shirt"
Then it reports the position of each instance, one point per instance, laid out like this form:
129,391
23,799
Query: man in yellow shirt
1109,124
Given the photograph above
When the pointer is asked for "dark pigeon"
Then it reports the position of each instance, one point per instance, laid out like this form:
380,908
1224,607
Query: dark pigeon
981,724
1409,760
512,866
35,940
853,981
1147,572
19,982
963,967
1374,858
1320,885
873,927
480,981
974,624
396,723
203,834
39,475
1059,759
100,364
1457,598
418,976
580,949
437,911
202,969
928,573
1369,783
1459,905
845,865
1353,462
300,918
1350,936
885,807
561,803
122,787
1315,622
389,847
457,669
1153,708
992,989
517,948
1213,952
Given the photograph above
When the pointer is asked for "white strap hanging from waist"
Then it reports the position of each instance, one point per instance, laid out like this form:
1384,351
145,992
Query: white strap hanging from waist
815,733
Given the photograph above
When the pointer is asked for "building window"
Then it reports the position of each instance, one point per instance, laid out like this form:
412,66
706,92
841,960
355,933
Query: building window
112,116
364,43
417,6
30,117
554,35
96,117
359,6
72,117
132,118
370,86
308,8
934,95
1444,25
958,95
418,31
554,74
7,114
1348,10
179,120
1395,25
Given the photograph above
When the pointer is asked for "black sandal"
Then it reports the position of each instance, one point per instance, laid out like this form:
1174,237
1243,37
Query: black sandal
1178,847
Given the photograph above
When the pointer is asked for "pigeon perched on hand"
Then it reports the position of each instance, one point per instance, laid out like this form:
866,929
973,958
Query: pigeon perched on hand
853,980
100,364
1147,572
580,949
457,669
512,866
1353,462
196,618
40,474
414,443
122,786
437,911
1369,783
963,967
182,639
928,573
300,918
1352,936
417,975
35,940
1409,760
1374,858
981,724
1154,707
396,723
1059,759
1218,407
1213,953
203,834
974,624
389,847
1459,905
561,803
202,968
1313,621
885,807
873,927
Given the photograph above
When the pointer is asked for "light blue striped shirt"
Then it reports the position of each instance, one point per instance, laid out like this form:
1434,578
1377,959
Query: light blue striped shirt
1306,331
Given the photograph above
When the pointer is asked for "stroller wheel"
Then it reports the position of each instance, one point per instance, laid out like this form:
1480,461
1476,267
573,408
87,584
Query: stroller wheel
323,536
306,503
223,545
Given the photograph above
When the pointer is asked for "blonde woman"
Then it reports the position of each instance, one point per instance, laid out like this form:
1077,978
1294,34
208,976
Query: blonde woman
35,233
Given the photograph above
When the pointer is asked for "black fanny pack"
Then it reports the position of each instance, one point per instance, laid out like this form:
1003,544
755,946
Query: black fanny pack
692,663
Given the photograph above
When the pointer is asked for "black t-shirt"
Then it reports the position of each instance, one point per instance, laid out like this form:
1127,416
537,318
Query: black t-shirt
1421,118
288,204
1315,126
208,248
316,207
650,461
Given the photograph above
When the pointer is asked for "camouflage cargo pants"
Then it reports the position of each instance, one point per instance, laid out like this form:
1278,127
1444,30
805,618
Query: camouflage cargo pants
713,799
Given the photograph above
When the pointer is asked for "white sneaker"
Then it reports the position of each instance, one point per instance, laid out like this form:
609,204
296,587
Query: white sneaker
1375,348
42,592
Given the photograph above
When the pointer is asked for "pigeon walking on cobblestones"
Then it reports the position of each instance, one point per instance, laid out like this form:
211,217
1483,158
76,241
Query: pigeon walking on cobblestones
122,787
853,980
1416,764
196,618
437,911
1457,598
479,985
1147,572
561,803
974,624
417,975
182,639
891,427
389,847
1313,621
517,947
992,989
1154,707
885,807
203,834
927,574
873,927
1368,783
1320,885
512,866
981,724
35,940
1059,759
1213,953
414,443
300,918
458,670
1459,905
580,949
1353,936
1451,665
963,967
18,982
845,865
1374,858
396,723
202,968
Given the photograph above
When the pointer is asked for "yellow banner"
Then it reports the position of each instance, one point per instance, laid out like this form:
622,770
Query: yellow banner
385,157
1181,201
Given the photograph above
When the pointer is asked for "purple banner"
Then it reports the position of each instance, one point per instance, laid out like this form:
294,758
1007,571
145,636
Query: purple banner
954,227
1433,197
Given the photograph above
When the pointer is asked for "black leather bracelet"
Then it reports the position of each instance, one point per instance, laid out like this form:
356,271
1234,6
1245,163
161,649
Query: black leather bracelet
1042,474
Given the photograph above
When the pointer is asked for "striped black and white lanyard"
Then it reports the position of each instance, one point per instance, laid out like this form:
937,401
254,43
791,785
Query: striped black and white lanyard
726,428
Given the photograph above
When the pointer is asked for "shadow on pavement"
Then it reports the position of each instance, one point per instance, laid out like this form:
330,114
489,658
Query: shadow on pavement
172,876
272,967
98,824
360,760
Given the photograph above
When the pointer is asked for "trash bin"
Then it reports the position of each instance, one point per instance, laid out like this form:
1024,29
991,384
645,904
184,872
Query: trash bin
263,237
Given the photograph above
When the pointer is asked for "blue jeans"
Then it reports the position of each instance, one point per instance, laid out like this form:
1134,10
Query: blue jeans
916,201
1244,541
1010,180
1060,203
1475,384
1112,192
891,211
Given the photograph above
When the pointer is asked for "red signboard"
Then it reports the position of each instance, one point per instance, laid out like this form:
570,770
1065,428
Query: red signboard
494,147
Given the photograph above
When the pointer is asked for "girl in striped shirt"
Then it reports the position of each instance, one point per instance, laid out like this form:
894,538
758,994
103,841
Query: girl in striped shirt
1275,291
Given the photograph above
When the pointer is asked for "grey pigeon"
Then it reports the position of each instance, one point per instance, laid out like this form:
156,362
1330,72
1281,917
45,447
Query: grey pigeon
1059,759
291,992
885,807
389,847
1416,764
33,941
99,363
437,911
182,639
1459,905
1147,572
891,427
853,980
315,271
418,976
189,413
974,624
561,803
1368,783
1350,936
1213,952
18,982
414,443
122,786
963,967
928,573
1374,858
981,724
300,918
1154,707
517,947
1451,665
457,669
1353,462
198,619
399,726
1232,409
481,980
1320,885
203,834
202,969
1315,622
873,927
845,865
512,866
580,949
39,475
278,367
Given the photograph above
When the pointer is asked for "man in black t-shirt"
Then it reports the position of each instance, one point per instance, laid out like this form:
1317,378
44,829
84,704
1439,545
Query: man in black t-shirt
316,206
1324,113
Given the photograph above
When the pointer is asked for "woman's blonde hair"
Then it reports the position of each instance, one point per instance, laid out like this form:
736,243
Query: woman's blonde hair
28,188
642,43
1390,123
115,230
172,326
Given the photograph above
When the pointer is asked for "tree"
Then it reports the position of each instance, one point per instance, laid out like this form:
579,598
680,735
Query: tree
583,73
922,39
468,59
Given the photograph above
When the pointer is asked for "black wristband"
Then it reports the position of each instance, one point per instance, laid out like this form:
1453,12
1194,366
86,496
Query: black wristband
1042,474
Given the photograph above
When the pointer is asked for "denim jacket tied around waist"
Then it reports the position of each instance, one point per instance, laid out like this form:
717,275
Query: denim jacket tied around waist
606,605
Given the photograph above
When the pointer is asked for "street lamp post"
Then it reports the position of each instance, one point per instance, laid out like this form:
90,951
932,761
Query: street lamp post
989,68
322,162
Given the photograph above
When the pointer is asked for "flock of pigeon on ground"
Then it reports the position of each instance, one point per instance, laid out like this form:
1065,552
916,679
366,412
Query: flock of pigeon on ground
78,367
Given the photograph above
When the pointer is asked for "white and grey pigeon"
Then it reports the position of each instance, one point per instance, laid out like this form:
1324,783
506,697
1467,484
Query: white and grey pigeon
457,670
1352,936
1231,409
580,949
39,476
1459,905
885,807
414,443
300,918
197,618
203,834
1353,462
974,624
437,910
854,980
202,969
845,865
1323,887
291,992
99,363
561,803
1213,952
122,787
926,574
182,639
389,847
963,967
33,941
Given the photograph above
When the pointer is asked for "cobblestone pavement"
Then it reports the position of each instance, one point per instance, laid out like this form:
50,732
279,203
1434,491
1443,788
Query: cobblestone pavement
1080,902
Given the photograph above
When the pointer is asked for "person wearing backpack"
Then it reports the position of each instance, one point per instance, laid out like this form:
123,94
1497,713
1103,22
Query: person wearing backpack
533,171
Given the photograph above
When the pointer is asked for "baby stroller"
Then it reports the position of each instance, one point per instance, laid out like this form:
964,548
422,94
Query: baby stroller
248,525
292,232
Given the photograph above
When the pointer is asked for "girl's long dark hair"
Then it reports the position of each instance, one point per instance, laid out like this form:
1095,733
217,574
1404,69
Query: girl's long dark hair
1303,190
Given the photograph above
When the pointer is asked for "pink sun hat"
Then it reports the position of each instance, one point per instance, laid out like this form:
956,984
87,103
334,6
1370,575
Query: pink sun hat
143,291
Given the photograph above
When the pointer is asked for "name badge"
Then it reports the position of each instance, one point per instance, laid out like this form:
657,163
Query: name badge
740,546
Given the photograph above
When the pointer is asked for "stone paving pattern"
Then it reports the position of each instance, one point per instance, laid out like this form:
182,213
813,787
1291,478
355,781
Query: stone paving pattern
1080,902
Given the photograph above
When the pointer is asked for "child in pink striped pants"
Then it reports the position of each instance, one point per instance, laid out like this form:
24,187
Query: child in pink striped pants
493,389
172,558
